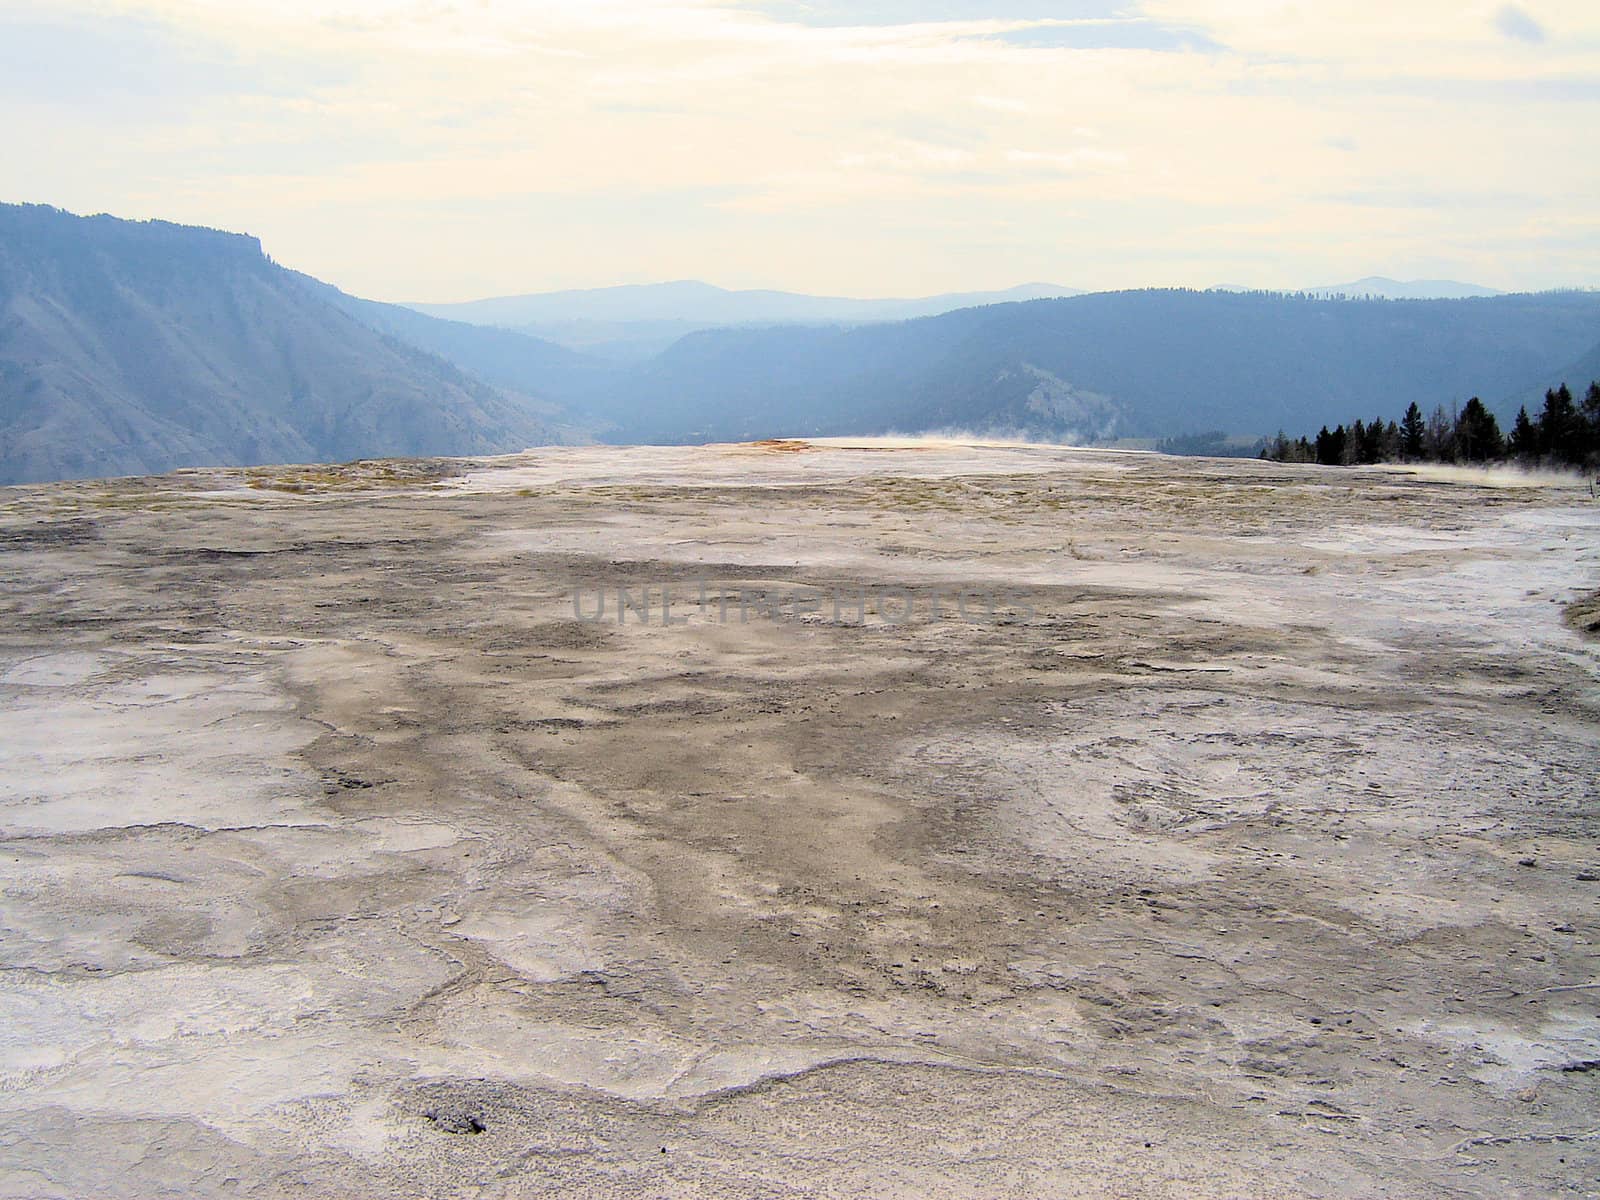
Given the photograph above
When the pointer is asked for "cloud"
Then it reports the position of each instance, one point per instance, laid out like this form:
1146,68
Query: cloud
1107,35
130,66
844,13
445,148
1516,24
1083,158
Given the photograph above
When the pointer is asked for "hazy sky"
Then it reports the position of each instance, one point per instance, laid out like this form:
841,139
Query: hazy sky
450,149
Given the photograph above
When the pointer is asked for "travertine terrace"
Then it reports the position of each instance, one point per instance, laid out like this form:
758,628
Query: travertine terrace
1237,838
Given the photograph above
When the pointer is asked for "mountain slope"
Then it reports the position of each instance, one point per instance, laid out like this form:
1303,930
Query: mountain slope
636,321
507,358
1577,375
131,347
1148,364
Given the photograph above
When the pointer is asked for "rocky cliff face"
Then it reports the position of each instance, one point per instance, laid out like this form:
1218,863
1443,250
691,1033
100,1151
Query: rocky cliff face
133,347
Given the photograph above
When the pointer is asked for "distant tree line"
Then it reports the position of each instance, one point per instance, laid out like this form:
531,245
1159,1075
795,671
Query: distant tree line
1566,433
1214,443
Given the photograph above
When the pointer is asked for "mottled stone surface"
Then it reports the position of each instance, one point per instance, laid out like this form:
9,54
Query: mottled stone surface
1238,838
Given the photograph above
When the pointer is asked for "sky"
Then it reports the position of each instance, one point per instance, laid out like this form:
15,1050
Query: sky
441,150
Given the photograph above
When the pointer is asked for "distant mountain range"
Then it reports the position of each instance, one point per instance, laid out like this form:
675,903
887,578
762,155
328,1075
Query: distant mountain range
509,359
1143,364
133,347
690,300
632,323
1377,287
635,321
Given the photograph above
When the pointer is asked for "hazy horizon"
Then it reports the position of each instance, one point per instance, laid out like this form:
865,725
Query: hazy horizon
440,153
712,284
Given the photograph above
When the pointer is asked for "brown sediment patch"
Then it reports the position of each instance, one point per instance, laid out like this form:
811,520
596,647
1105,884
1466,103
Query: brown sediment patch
362,475
780,446
1584,615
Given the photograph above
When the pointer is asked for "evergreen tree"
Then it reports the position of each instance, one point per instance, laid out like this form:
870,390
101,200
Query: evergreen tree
1412,431
1330,447
1281,449
1589,413
1390,447
1477,434
1559,428
1438,442
1372,443
1524,443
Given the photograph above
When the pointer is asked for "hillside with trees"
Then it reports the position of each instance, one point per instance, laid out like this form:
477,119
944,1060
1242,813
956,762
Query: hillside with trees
1142,364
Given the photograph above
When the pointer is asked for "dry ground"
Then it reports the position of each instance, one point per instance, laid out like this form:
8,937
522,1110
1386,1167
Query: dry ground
1239,839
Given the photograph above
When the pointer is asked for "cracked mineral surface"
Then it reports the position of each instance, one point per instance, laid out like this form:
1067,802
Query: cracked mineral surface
983,821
